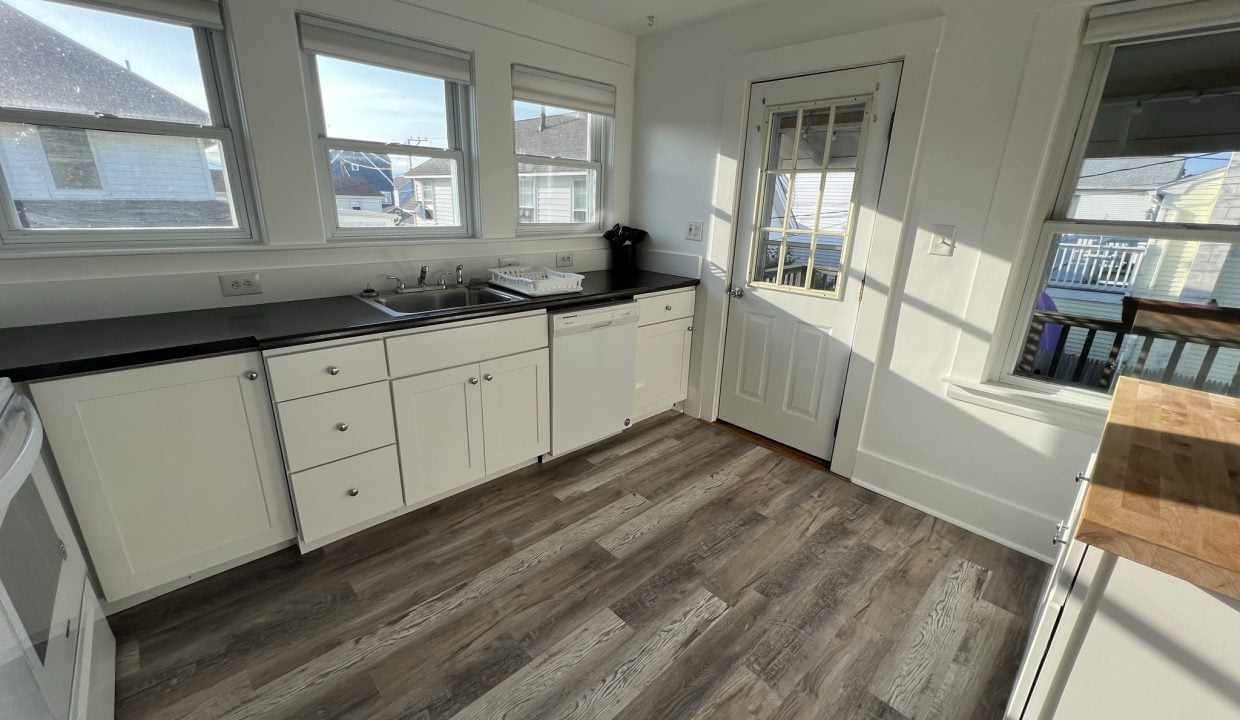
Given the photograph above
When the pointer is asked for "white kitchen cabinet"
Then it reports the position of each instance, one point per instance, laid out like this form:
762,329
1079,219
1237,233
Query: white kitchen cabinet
516,419
664,339
456,426
662,366
439,431
172,470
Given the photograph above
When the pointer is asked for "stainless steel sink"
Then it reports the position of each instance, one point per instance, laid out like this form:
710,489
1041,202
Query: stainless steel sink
434,300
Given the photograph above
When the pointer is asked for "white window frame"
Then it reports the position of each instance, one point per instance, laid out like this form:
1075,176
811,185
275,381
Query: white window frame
224,109
600,150
1095,65
459,107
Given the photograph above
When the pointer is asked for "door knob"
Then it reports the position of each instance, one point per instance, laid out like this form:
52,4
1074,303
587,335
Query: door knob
1061,533
737,292
251,375
333,370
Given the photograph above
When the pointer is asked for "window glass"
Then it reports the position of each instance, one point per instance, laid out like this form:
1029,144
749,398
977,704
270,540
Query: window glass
65,179
557,194
1163,144
382,105
386,190
67,58
551,132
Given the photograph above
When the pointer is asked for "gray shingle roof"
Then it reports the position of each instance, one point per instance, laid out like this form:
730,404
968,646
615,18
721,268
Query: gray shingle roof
39,62
434,167
1130,173
564,136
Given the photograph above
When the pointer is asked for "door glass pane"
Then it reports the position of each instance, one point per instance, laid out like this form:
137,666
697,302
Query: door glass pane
770,246
836,206
394,190
1163,146
814,127
65,58
783,141
63,178
827,258
846,136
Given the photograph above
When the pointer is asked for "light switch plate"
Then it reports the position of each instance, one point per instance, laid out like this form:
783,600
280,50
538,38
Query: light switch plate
943,240
242,283
563,259
693,230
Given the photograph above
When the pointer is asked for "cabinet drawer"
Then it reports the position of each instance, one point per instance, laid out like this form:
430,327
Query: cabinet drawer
342,494
671,306
328,427
319,371
453,346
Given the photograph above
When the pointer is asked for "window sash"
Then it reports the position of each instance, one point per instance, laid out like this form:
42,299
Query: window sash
457,105
225,113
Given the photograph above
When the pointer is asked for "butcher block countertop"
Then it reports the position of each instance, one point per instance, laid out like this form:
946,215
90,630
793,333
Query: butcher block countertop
1165,490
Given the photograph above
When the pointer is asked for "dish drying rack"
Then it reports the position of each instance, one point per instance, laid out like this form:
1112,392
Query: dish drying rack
536,281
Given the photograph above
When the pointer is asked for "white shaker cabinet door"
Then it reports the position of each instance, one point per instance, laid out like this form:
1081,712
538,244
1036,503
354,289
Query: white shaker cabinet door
662,366
516,414
439,431
171,469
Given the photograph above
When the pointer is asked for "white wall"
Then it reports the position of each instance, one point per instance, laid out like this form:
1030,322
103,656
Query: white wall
296,261
999,79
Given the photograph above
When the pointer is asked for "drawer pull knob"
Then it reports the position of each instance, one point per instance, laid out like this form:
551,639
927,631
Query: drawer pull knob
251,375
473,381
667,308
353,492
342,427
488,377
333,370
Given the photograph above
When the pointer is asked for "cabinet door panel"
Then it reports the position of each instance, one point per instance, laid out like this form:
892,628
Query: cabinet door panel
439,431
516,417
662,366
171,469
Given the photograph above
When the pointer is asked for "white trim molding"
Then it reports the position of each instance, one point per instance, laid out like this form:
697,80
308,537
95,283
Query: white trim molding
1058,405
915,43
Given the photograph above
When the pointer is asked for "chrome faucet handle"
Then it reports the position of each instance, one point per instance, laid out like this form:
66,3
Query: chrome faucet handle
442,279
422,275
400,284
460,275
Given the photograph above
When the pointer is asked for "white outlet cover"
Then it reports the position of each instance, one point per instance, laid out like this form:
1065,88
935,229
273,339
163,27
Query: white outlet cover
509,261
564,259
241,283
693,230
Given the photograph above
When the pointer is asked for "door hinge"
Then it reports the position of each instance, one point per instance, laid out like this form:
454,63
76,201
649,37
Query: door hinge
836,431
861,292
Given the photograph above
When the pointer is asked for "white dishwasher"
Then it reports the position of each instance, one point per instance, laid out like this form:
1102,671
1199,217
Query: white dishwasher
593,373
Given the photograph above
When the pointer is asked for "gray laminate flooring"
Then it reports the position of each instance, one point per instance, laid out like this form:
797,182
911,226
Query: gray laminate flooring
676,571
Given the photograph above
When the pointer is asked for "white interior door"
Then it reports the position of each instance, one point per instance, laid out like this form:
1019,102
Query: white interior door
814,154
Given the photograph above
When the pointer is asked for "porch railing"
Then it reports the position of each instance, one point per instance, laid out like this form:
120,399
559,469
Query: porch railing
1094,265
1145,322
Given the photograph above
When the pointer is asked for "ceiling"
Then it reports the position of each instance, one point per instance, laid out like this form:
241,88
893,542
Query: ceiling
629,16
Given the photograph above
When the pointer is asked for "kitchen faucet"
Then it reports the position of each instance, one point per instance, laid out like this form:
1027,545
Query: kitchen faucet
460,275
400,284
422,276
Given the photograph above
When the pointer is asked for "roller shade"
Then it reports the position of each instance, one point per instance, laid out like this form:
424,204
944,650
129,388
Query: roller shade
548,88
1150,18
320,36
201,13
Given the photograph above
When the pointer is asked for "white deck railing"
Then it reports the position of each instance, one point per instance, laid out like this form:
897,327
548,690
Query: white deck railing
1092,264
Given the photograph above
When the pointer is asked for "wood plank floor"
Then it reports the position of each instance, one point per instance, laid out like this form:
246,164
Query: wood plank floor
676,571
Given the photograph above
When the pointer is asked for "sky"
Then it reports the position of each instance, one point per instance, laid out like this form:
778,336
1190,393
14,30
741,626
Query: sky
163,53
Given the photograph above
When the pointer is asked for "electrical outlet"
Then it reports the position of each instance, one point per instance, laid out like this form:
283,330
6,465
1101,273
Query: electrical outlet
242,283
510,261
693,231
943,240
564,259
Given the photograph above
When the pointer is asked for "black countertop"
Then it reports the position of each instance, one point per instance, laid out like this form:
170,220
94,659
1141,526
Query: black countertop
36,352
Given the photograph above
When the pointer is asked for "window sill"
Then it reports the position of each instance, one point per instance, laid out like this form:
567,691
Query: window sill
1065,407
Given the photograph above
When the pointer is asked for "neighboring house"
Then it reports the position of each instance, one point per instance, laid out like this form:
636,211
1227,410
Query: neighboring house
549,194
429,196
833,219
72,178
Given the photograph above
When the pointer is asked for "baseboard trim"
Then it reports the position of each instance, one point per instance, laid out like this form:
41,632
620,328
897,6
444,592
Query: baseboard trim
991,517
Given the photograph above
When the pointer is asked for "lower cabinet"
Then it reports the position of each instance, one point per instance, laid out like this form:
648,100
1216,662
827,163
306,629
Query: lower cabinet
171,470
457,426
662,366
